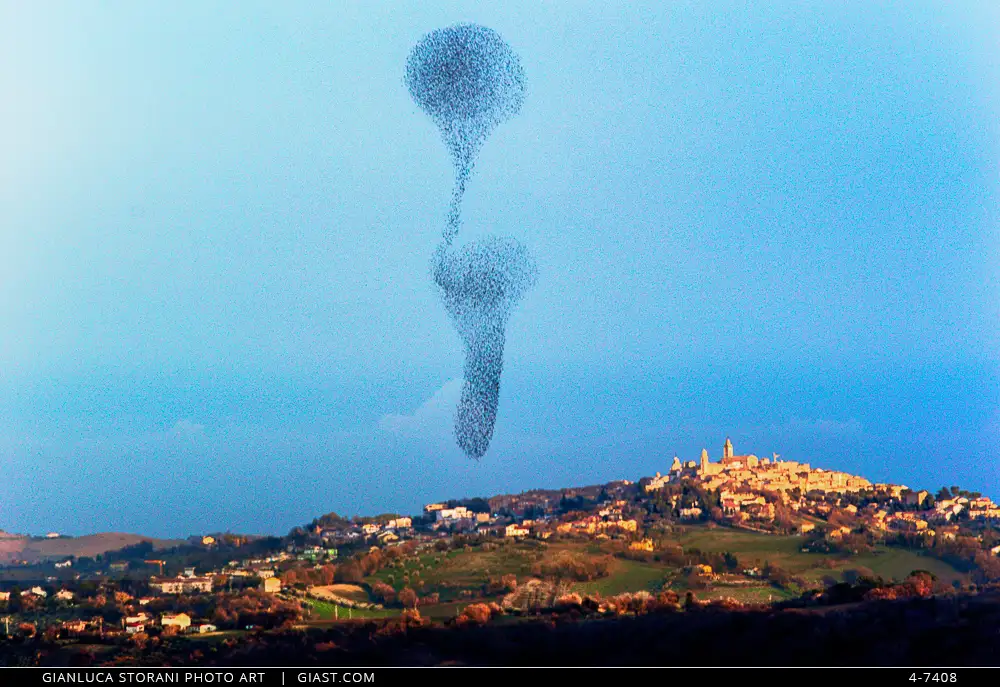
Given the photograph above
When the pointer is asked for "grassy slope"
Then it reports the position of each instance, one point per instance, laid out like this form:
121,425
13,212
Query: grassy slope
325,611
785,551
449,573
627,576
36,550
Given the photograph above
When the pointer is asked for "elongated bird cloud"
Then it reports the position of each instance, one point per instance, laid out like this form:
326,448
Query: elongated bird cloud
468,80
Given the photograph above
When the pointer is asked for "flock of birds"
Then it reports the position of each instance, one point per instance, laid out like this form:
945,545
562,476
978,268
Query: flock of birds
468,80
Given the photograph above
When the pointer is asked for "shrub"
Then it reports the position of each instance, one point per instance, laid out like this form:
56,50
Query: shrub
474,614
383,593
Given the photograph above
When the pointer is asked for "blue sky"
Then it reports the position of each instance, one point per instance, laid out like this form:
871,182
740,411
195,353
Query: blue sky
764,220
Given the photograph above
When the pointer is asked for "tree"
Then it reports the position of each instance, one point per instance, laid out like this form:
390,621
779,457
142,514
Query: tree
383,593
408,598
478,505
327,574
349,572
371,562
855,575
14,604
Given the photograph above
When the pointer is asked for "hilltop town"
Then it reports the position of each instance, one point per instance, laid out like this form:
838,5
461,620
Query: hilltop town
742,531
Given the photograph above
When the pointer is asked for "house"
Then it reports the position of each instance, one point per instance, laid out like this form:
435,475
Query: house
4,596
311,553
626,525
838,532
896,491
387,537
915,498
399,523
514,530
202,628
265,573
948,532
909,524
35,591
181,621
643,545
181,585
457,513
659,481
64,564
119,566
75,626
135,623
65,595
271,585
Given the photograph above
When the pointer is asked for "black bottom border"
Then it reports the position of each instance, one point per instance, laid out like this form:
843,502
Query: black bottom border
288,677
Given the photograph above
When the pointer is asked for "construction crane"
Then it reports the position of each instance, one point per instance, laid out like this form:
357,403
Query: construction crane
160,563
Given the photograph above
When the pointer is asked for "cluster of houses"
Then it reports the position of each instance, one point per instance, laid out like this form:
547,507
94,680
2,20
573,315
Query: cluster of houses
135,624
742,479
190,583
748,474
388,532
946,510
608,520
140,622
940,518
39,593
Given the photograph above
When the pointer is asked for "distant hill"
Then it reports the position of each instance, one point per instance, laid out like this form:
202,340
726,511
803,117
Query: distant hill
36,550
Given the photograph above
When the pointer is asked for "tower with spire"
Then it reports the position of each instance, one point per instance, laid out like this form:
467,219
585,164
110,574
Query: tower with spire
727,451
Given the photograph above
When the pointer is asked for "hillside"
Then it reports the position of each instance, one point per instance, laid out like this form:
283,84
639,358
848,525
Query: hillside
36,550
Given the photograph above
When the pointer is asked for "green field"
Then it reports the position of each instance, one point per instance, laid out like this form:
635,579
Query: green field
325,611
786,551
626,576
447,573
451,573
750,595
895,563
210,637
443,611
